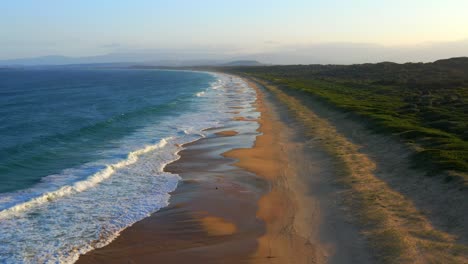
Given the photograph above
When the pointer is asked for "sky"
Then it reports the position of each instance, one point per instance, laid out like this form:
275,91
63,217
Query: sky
77,28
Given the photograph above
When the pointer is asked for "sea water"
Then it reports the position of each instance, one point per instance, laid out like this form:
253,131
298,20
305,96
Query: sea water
82,151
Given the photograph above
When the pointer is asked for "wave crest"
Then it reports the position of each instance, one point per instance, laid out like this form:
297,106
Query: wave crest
81,186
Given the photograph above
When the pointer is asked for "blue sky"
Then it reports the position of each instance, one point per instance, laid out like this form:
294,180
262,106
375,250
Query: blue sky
86,27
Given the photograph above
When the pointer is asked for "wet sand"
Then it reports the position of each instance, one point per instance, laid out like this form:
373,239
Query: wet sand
241,118
227,133
277,208
211,217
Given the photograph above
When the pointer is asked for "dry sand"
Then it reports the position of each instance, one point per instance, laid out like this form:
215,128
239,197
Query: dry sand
267,159
300,196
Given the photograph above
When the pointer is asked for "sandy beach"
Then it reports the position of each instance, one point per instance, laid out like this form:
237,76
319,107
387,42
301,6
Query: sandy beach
211,216
303,222
258,204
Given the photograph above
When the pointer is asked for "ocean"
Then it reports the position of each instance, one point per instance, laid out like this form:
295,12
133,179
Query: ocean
82,152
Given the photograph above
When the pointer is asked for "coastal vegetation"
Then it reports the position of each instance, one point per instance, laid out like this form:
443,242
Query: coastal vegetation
396,230
423,104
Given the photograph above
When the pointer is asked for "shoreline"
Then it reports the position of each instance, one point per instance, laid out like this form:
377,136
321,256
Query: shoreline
245,204
195,227
198,225
268,159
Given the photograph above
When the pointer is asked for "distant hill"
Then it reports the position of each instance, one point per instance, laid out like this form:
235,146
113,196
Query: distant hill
243,63
155,59
120,59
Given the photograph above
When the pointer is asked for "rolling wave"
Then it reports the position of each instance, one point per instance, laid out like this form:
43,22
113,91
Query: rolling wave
80,186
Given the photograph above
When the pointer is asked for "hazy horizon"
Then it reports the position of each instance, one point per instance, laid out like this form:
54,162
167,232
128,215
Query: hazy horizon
274,32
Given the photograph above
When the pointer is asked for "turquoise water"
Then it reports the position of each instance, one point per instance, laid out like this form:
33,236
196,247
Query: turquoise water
52,120
82,152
